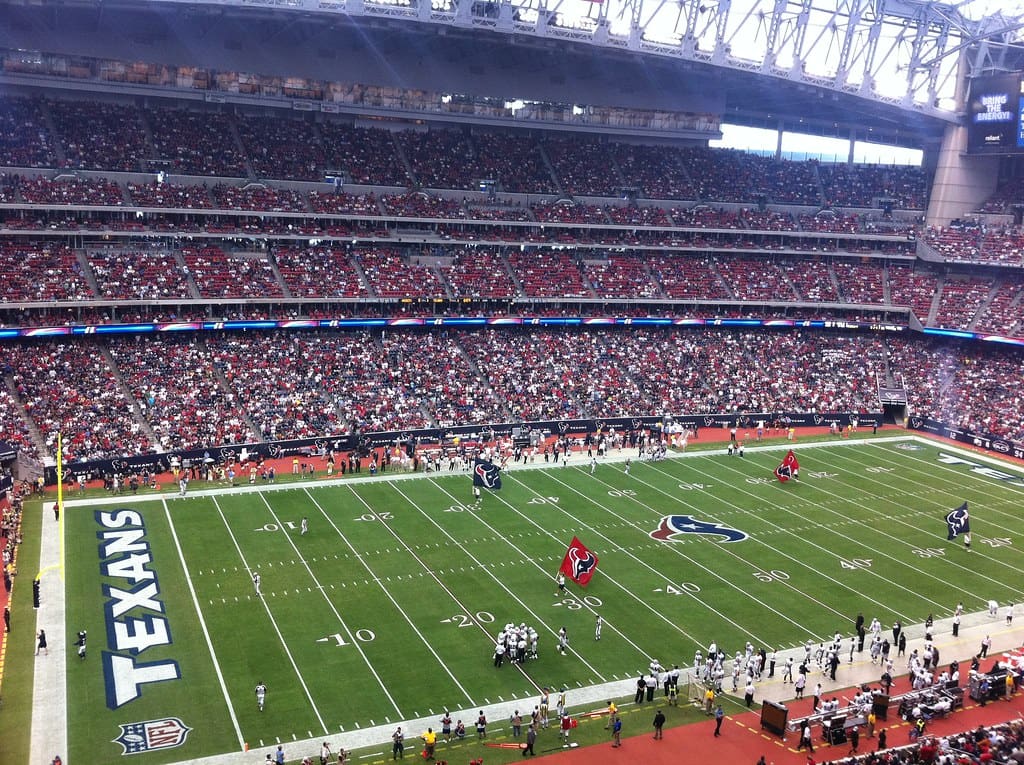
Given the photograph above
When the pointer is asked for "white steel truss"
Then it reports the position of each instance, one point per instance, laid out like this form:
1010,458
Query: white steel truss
903,53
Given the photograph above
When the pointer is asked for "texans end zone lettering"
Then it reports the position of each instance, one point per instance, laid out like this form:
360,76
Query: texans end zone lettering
134,612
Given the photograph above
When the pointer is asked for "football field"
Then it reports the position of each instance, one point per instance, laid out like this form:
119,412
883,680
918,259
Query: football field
386,609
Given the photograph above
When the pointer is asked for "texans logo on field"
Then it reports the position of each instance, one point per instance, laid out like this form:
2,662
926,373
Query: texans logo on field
146,736
673,526
583,561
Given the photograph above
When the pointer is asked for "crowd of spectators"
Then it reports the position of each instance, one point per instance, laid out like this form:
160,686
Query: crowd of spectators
257,196
653,171
479,272
24,140
548,273
236,275
99,135
152,274
70,191
860,185
634,215
279,148
1000,316
187,142
318,272
12,424
583,165
421,205
755,279
366,156
441,159
913,287
812,279
41,271
688,278
960,299
172,195
133,395
567,211
216,143
514,161
621,277
173,383
69,388
343,203
394,274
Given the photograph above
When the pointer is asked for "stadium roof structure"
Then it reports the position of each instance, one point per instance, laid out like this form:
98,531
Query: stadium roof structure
837,66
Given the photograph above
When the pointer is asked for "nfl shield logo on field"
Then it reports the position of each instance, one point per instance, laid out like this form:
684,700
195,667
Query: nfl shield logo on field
152,734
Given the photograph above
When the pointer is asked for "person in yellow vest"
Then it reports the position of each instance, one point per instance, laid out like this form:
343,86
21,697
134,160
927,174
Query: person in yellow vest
613,712
872,720
709,700
429,741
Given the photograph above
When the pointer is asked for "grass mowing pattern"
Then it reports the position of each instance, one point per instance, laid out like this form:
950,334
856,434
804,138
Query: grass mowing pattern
386,609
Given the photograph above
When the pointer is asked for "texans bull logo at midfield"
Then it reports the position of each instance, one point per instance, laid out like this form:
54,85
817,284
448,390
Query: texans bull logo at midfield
675,526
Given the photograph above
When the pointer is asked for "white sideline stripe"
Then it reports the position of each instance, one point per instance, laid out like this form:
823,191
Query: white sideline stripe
206,632
273,622
395,475
49,715
995,461
384,589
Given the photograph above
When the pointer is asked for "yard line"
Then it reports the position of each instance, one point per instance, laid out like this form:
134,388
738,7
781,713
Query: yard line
202,624
385,590
938,524
273,622
918,530
660,575
895,559
536,565
829,553
330,604
500,583
932,467
728,551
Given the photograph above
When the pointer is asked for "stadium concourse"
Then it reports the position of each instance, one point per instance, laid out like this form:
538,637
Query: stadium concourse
742,740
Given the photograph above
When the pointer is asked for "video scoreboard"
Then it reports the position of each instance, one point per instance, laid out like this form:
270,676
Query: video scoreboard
995,113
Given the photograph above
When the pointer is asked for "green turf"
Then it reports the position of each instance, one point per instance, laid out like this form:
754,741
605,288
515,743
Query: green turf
386,610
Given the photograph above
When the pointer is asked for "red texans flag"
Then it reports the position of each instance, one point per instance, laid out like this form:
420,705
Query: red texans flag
789,468
579,563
